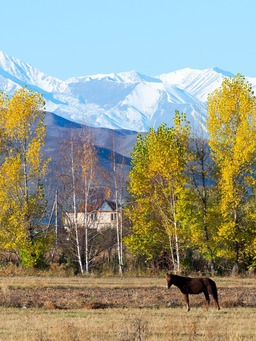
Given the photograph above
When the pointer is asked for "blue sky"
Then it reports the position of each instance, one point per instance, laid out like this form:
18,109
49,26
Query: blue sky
66,38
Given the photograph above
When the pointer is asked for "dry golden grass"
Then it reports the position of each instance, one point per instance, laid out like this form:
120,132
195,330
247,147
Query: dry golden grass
127,324
122,309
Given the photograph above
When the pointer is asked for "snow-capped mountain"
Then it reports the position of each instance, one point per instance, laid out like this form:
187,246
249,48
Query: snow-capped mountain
127,100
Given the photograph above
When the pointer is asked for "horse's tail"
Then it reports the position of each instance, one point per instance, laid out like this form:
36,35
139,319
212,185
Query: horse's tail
213,290
213,286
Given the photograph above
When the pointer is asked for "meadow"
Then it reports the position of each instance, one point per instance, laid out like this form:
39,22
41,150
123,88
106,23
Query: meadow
122,309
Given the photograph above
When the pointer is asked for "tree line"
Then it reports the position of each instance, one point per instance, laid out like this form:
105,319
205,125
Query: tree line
194,196
190,199
37,195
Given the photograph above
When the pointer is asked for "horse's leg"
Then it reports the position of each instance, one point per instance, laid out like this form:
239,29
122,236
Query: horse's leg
187,301
207,297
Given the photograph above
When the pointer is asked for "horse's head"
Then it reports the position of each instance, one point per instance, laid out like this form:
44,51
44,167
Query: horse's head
169,280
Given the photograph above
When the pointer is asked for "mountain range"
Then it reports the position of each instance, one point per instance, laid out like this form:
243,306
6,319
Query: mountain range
113,107
128,100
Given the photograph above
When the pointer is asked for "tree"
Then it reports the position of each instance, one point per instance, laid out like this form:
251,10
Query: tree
232,130
89,165
77,179
156,182
198,211
117,184
22,170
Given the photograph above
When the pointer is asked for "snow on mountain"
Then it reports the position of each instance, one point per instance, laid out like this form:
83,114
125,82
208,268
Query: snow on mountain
127,100
22,73
122,77
199,83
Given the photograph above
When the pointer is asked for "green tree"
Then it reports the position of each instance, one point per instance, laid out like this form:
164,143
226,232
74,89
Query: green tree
199,211
22,169
232,130
156,182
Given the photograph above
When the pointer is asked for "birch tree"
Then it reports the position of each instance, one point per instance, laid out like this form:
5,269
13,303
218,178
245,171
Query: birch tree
199,209
118,183
232,131
156,182
77,179
74,153
89,176
22,170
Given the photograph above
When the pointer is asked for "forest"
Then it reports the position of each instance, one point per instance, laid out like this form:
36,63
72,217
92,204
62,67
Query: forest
188,203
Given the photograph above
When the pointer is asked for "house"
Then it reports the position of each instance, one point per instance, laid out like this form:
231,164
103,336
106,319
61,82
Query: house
99,216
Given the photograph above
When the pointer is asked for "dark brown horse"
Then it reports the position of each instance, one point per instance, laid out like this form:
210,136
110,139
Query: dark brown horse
188,285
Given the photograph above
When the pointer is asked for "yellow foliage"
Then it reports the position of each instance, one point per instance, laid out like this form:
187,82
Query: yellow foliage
232,129
156,179
22,133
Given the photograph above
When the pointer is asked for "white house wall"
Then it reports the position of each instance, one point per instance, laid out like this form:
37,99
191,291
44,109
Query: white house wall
103,219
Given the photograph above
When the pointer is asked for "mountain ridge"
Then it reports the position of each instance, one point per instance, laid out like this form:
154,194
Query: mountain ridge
126,100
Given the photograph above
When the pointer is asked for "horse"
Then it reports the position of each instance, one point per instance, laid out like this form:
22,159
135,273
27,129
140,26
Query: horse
188,285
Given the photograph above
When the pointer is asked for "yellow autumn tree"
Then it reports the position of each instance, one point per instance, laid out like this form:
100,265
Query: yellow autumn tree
232,130
156,182
22,169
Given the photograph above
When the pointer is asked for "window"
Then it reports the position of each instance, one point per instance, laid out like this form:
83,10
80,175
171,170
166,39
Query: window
113,216
93,216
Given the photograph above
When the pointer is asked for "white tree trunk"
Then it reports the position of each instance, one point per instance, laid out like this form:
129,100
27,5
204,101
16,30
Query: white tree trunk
177,249
87,187
75,209
119,231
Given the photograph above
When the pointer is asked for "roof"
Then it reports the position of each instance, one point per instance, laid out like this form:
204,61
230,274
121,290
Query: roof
103,206
107,206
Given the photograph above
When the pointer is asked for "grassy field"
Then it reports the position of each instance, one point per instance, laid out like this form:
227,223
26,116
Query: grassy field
122,309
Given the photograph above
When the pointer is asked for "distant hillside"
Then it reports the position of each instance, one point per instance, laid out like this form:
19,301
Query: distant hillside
106,140
120,140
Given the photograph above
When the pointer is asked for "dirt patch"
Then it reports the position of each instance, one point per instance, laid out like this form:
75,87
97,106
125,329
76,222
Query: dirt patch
103,298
